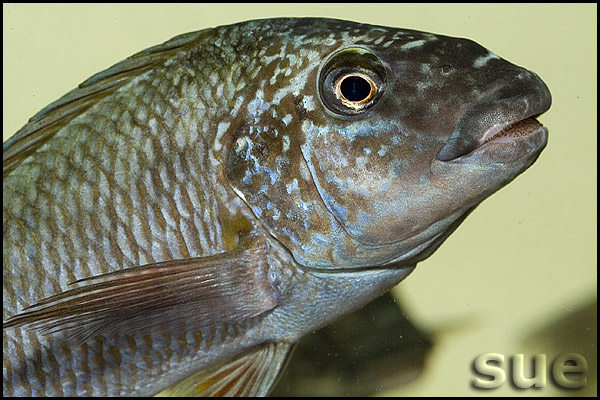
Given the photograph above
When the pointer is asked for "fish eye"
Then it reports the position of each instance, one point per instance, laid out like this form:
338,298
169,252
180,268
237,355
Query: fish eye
355,89
351,81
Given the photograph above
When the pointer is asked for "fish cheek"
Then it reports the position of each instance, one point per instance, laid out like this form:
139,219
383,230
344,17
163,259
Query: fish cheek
357,175
267,171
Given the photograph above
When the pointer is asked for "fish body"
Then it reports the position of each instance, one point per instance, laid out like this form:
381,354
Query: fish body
185,216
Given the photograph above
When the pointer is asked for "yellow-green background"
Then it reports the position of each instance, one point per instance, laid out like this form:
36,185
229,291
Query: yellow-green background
525,258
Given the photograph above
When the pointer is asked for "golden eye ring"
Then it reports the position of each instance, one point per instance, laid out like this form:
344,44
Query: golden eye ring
355,90
351,81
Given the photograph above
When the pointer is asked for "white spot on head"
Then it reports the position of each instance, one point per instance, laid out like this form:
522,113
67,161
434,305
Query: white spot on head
482,60
274,77
304,172
396,139
297,82
287,119
383,150
310,129
256,105
361,161
293,186
329,42
292,58
242,143
273,276
308,103
412,45
286,143
430,36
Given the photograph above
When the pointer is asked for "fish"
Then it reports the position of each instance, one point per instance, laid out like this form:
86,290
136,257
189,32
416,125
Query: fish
181,219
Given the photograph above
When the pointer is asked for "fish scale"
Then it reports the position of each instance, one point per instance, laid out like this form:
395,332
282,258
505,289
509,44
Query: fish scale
182,218
113,181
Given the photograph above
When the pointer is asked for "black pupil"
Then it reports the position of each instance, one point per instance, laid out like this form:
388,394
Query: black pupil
355,88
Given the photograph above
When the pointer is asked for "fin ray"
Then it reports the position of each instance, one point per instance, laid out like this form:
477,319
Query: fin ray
253,373
186,294
51,119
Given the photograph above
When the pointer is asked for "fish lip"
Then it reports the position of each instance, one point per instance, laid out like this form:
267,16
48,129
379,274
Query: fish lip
530,143
475,131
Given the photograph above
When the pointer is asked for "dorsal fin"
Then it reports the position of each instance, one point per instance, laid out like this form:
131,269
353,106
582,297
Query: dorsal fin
44,125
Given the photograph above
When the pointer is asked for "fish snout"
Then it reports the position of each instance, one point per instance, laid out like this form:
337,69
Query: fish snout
507,118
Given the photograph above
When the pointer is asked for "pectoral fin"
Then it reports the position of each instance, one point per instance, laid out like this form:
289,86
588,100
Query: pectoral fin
252,374
186,294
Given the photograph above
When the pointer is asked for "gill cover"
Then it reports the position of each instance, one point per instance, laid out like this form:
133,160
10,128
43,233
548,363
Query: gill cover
268,170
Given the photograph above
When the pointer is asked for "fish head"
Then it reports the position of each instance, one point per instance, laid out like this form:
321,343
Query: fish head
390,138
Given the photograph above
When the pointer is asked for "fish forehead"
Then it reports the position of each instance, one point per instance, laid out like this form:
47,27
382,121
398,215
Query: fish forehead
412,52
419,83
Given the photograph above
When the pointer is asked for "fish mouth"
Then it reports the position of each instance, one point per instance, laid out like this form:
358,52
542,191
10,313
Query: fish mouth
510,140
504,129
512,130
